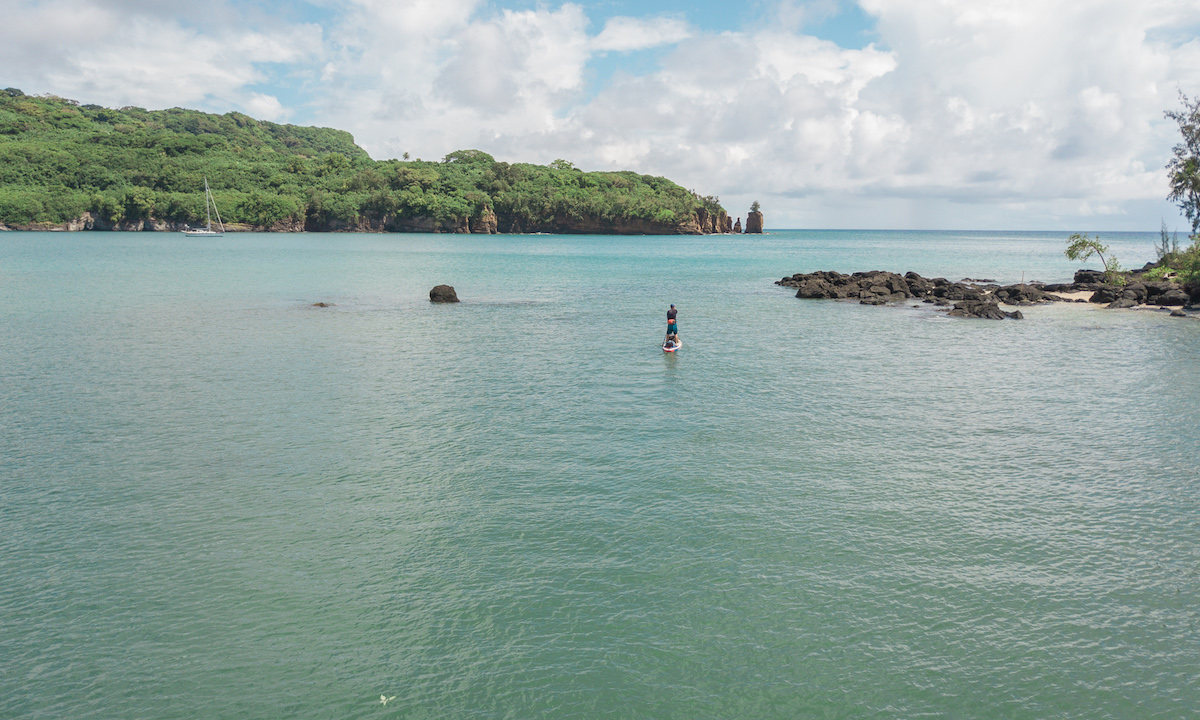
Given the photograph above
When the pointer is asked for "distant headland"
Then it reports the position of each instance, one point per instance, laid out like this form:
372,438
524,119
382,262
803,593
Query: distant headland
67,166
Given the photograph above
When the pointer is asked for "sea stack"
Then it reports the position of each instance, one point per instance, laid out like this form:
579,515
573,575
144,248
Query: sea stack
486,224
754,221
737,226
443,294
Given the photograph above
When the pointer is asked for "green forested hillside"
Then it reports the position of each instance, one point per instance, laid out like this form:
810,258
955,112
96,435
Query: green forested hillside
132,168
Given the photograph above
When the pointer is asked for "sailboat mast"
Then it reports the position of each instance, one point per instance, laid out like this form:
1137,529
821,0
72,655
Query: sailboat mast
207,204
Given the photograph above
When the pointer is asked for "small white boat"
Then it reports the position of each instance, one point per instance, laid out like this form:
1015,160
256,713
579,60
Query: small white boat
210,207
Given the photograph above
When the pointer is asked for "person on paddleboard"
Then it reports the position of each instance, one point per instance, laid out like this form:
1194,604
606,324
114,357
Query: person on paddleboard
672,326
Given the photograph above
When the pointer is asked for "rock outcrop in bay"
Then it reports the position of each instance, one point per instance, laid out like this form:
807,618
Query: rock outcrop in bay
754,222
443,294
981,299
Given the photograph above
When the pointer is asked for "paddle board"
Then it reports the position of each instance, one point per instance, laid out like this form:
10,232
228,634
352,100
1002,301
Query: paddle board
678,344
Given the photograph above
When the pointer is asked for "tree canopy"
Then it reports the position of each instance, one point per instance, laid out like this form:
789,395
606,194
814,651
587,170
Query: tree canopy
1184,167
60,159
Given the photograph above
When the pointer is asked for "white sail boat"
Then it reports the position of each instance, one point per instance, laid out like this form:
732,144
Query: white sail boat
210,207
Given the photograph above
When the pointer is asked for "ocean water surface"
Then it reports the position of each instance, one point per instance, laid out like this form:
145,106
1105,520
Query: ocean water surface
219,501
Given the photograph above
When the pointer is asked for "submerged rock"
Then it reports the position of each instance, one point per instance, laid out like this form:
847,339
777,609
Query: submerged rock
443,294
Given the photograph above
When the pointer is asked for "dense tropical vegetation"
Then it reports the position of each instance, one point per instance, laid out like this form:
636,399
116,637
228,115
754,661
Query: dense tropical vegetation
130,166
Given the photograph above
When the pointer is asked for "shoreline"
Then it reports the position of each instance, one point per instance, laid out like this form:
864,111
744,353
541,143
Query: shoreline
984,299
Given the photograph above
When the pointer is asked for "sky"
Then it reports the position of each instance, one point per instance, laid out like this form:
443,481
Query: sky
900,114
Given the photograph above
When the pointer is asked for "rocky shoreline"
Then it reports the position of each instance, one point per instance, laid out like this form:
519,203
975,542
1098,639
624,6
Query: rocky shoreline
699,222
983,298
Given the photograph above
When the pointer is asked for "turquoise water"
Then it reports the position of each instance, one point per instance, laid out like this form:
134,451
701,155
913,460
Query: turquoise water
219,501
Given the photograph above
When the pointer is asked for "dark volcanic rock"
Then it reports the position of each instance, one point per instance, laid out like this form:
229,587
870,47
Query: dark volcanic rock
870,286
1156,288
1089,276
1104,294
982,309
1174,297
957,291
1178,313
1022,294
1122,303
917,285
443,294
1136,292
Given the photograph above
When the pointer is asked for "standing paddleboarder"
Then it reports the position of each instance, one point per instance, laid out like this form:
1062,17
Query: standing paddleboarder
672,327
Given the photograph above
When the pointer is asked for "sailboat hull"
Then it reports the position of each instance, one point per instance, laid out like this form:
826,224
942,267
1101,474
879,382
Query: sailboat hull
210,206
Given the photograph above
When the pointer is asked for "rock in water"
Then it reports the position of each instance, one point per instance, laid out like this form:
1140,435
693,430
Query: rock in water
443,294
754,222
982,309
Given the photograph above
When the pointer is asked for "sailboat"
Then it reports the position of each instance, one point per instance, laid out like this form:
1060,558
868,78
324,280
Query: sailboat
210,207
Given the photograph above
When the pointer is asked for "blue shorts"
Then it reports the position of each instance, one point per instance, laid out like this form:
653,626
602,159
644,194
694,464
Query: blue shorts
672,329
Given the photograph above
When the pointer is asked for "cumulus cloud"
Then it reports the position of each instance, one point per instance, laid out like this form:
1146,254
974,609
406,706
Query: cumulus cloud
135,53
965,113
623,34
1037,108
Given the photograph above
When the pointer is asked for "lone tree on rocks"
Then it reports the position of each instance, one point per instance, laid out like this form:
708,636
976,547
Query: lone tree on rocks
754,221
1081,247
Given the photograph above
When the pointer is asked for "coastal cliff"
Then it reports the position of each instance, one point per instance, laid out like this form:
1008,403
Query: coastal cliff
67,167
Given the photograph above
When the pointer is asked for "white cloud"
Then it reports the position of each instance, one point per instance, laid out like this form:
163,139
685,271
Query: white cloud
622,34
966,112
106,53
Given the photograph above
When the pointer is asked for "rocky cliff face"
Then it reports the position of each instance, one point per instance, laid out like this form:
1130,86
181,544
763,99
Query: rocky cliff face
700,223
754,222
486,224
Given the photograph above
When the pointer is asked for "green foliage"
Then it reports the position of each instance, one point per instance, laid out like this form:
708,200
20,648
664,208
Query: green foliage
1187,262
1181,263
1184,168
1081,247
1168,245
755,207
59,159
